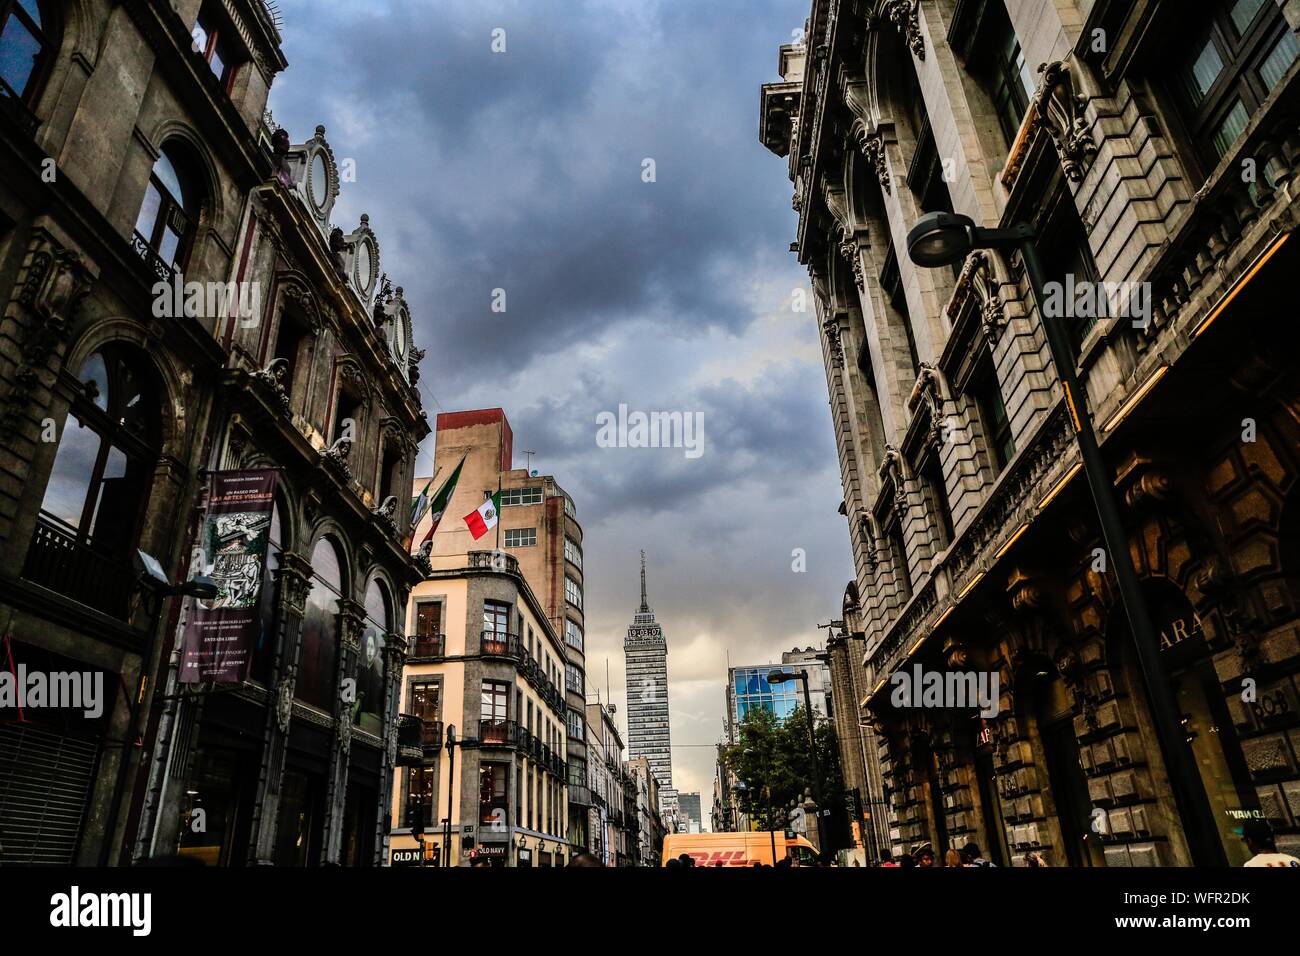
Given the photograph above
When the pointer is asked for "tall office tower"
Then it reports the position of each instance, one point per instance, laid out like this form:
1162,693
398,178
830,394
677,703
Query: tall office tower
646,653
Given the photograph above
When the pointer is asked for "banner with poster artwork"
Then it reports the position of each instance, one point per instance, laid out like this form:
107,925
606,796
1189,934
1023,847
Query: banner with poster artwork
221,632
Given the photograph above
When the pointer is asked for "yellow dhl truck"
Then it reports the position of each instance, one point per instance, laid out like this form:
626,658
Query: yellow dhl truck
738,849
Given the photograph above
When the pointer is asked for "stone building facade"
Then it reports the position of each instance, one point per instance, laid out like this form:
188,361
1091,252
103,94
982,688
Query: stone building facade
1154,154
491,675
104,403
137,163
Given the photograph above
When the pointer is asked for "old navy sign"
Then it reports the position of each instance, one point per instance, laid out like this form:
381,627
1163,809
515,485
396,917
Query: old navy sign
221,633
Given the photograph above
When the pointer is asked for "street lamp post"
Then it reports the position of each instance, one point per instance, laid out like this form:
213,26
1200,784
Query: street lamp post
940,239
781,677
451,780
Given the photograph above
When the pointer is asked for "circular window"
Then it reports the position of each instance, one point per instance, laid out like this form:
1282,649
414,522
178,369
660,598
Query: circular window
399,336
319,180
365,265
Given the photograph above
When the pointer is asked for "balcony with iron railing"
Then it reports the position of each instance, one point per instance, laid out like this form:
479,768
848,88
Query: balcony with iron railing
500,644
410,740
499,733
60,561
426,647
158,268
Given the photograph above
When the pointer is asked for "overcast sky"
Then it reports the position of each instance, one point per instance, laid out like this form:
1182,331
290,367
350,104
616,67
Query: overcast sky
523,171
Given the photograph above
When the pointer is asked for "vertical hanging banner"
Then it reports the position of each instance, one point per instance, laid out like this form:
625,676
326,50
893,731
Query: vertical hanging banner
221,632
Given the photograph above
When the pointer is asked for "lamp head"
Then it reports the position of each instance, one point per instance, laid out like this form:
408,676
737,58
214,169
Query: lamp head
940,239
778,677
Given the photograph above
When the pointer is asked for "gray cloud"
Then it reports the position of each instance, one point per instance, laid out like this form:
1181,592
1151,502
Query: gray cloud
522,171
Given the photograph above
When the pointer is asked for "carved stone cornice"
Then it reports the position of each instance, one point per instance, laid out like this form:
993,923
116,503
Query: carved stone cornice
352,619
905,16
52,287
1060,111
979,278
930,390
294,579
832,329
891,468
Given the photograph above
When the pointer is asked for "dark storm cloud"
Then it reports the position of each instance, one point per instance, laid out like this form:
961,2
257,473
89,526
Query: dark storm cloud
522,171
582,95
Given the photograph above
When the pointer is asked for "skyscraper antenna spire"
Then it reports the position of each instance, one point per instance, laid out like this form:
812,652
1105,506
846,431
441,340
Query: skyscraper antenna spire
645,608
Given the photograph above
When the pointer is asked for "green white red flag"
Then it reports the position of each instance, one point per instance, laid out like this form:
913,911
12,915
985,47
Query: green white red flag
484,518
437,505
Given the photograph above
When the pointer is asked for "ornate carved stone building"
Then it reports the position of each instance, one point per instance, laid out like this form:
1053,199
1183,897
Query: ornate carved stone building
134,151
1146,147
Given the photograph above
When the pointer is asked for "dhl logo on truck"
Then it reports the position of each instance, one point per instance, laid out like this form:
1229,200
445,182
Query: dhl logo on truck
719,857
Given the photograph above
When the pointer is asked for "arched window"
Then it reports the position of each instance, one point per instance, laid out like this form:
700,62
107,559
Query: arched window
320,628
90,518
370,659
25,49
170,210
107,452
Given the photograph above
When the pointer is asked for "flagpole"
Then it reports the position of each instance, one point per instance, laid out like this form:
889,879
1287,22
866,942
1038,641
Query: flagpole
501,450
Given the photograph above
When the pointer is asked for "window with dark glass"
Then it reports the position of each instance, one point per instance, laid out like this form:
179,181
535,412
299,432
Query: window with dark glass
1067,262
891,286
936,491
1233,55
494,701
25,49
371,686
109,446
898,551
998,440
420,795
496,627
165,224
348,407
428,629
424,705
216,42
1006,76
493,808
319,655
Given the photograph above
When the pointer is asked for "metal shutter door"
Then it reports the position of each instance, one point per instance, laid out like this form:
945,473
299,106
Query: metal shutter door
45,779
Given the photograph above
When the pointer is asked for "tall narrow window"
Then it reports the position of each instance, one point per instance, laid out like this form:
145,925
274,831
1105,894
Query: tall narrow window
90,518
428,629
494,701
1070,269
1007,77
320,634
165,224
997,425
891,285
371,686
936,491
898,551
217,44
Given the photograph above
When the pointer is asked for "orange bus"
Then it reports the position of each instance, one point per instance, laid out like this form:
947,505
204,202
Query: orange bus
738,849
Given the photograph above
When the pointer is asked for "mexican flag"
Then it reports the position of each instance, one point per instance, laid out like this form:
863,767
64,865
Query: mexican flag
438,504
484,518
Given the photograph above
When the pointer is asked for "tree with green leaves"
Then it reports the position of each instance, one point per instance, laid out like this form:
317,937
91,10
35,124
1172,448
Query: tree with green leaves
774,762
